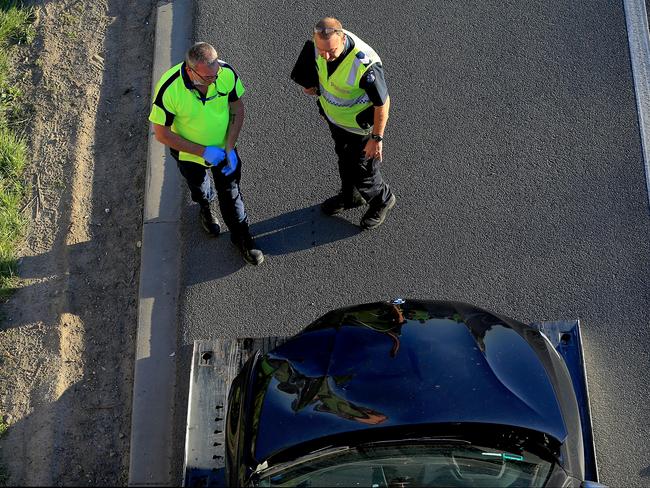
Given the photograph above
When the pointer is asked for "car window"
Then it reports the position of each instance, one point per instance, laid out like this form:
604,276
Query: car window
393,466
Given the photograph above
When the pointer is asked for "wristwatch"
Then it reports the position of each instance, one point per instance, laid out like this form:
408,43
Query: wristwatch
376,137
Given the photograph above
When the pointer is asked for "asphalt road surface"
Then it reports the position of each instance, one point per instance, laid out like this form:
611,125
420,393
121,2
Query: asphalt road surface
513,148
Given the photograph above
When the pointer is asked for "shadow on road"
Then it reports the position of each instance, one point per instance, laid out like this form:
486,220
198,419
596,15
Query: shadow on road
208,259
300,230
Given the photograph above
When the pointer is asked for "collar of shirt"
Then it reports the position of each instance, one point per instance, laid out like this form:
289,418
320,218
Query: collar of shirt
212,92
331,67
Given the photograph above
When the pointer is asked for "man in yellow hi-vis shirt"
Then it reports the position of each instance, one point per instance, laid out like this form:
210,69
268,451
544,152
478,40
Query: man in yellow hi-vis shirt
198,112
348,77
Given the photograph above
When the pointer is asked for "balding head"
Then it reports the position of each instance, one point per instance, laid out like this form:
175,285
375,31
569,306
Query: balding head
327,27
329,38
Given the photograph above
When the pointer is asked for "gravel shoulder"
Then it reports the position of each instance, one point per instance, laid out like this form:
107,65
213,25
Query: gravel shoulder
68,336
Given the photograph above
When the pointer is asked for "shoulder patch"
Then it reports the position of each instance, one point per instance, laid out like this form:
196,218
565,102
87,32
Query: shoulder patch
363,58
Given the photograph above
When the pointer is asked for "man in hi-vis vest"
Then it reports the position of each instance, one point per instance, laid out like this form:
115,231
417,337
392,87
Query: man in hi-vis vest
348,78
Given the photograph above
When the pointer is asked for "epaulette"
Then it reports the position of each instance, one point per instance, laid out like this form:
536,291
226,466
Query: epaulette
363,58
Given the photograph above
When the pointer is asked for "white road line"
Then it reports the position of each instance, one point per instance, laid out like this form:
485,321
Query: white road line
637,32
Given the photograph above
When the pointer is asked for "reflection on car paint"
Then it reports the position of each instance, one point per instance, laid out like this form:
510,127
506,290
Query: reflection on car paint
317,392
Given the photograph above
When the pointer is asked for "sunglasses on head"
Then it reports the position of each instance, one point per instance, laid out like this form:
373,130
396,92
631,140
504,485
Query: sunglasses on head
327,31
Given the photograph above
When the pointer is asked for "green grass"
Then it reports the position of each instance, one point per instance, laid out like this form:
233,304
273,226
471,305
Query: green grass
16,28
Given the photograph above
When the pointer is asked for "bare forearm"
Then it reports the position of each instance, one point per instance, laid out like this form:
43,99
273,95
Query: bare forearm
373,148
236,122
381,118
165,136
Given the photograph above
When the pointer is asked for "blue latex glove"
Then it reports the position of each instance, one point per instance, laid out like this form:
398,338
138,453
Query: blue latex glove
214,154
231,163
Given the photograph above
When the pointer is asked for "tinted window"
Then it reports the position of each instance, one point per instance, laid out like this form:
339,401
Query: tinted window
440,465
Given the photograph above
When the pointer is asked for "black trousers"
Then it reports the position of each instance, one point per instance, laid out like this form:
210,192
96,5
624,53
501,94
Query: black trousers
227,188
356,171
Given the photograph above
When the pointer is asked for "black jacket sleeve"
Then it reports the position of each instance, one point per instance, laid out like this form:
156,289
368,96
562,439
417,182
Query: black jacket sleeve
374,83
304,72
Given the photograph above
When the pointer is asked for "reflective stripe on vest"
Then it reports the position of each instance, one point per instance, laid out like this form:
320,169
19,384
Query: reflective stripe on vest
353,72
343,102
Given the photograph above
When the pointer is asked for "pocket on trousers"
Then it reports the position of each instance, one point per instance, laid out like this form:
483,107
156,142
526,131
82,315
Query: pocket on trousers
369,166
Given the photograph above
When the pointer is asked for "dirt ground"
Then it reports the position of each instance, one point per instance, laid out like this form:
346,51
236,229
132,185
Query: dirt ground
67,338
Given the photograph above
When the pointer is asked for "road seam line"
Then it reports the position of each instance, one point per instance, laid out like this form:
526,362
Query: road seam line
636,20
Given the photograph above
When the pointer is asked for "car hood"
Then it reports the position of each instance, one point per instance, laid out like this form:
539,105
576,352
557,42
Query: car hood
402,363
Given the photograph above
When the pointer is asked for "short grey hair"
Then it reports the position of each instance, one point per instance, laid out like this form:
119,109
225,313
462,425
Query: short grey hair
203,53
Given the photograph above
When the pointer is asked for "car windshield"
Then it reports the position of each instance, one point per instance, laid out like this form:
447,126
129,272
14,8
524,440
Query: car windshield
385,466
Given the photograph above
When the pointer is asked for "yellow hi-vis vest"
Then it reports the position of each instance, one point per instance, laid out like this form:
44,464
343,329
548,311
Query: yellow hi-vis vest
340,96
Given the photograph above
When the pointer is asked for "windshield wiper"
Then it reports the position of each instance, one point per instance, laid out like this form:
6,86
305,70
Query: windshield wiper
325,451
418,440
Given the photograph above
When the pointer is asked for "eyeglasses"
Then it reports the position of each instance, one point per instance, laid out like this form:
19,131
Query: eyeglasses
326,31
207,79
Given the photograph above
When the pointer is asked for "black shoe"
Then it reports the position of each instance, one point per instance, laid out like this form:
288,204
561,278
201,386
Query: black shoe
336,204
375,216
209,222
246,245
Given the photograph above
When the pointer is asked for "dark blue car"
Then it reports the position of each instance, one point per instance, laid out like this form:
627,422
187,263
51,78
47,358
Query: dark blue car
410,393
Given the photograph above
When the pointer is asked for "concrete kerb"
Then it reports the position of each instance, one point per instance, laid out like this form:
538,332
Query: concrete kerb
155,357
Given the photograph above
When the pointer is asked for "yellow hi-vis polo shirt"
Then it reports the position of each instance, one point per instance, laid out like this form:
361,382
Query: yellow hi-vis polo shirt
203,120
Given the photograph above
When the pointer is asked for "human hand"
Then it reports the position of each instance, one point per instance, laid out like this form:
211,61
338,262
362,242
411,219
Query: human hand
231,163
373,149
310,91
214,154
